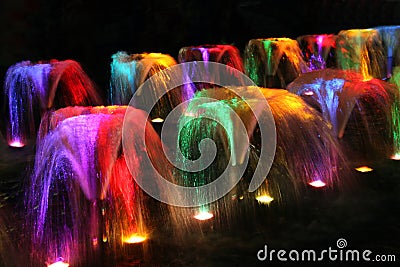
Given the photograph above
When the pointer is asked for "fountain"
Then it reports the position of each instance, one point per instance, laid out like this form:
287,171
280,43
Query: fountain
221,53
395,80
361,50
82,201
318,50
355,107
32,88
128,72
274,62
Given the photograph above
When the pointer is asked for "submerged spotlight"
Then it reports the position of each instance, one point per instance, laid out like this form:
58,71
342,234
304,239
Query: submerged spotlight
317,183
157,120
203,216
364,169
134,239
264,199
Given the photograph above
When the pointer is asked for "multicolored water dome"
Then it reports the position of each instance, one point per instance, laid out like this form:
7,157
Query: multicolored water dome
322,105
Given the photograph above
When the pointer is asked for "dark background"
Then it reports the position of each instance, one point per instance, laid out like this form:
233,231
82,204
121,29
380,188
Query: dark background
91,31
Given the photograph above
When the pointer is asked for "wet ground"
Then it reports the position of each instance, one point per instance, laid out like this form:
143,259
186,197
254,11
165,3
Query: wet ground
366,216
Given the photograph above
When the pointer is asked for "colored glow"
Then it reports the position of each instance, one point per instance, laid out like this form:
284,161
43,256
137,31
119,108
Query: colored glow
390,37
203,216
320,40
396,120
364,169
361,50
317,183
317,49
134,239
263,58
31,88
338,96
16,144
396,156
90,154
157,120
264,199
59,263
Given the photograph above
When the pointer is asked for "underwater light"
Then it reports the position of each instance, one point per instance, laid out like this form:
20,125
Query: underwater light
317,183
203,216
59,263
395,156
364,169
16,144
134,239
157,120
264,199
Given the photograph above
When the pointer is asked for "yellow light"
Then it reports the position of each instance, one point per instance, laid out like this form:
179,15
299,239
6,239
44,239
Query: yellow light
264,199
59,263
204,215
157,120
364,169
317,183
135,238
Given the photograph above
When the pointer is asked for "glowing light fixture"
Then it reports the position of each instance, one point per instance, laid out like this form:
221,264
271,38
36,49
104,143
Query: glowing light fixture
134,239
157,120
16,144
264,199
317,183
320,40
203,216
364,169
59,263
396,156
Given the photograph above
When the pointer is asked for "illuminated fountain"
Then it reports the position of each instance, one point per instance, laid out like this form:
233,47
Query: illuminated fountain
220,53
32,88
129,71
361,50
83,203
274,62
390,38
318,50
307,152
359,110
